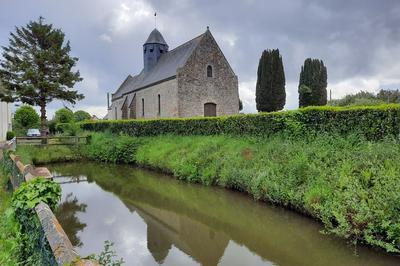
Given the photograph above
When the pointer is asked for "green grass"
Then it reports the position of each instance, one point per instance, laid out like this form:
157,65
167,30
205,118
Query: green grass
48,154
9,228
350,184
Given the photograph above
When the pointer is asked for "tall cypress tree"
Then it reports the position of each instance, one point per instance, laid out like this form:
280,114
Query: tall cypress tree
36,68
270,88
313,83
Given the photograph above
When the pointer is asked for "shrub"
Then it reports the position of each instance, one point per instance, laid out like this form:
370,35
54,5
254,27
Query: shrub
26,117
64,115
374,122
68,129
10,135
81,115
35,250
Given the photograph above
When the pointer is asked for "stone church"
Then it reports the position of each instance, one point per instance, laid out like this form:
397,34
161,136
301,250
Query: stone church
194,79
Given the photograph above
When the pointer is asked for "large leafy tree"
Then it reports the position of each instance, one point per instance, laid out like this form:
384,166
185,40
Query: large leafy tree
313,83
36,68
64,115
81,115
270,88
26,117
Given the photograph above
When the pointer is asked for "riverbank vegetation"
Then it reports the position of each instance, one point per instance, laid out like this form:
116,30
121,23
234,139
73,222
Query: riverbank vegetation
9,228
349,183
372,122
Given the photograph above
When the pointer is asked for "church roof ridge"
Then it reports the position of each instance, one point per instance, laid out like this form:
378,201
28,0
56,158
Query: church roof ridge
165,68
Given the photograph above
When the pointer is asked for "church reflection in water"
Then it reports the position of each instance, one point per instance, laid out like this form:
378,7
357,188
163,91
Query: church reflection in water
166,229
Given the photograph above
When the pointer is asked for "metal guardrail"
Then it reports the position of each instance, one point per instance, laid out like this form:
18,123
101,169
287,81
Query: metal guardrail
58,140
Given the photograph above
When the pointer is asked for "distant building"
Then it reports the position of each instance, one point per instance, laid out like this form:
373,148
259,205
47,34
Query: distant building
5,120
194,79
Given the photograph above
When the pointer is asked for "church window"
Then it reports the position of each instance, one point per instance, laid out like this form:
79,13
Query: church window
115,111
209,71
159,104
145,50
142,107
161,51
151,50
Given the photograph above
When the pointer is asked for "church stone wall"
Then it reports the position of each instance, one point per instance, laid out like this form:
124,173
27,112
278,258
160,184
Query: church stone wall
195,88
168,91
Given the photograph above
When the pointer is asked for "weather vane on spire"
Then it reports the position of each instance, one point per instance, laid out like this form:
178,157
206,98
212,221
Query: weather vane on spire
155,19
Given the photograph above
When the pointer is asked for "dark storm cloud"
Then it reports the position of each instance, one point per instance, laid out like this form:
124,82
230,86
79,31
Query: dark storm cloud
358,40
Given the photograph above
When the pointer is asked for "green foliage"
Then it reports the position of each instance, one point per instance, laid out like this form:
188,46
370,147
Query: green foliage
81,115
270,88
313,83
48,154
10,135
64,115
36,67
34,250
9,227
364,98
26,117
68,129
349,183
107,148
52,126
108,257
389,96
372,122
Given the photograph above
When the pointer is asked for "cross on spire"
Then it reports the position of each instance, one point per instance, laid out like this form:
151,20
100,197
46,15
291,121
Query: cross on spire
155,19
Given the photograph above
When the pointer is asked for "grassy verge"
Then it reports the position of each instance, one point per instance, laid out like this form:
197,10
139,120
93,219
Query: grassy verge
349,183
48,154
9,228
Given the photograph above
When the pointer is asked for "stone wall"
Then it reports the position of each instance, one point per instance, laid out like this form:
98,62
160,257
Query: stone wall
195,88
168,100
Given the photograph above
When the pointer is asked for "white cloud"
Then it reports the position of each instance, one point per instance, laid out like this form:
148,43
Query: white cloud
130,14
247,93
105,37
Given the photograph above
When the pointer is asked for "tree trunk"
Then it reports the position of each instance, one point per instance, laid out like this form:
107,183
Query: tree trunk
43,120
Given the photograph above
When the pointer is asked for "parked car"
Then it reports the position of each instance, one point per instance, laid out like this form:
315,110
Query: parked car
33,132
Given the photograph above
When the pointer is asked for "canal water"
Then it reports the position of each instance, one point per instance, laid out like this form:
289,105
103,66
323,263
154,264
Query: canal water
154,219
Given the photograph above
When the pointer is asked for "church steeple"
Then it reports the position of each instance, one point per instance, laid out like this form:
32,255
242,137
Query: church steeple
153,48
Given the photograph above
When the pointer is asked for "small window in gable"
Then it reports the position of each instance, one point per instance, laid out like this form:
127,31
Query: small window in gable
209,71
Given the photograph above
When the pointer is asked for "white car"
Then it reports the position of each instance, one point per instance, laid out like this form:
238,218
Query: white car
33,132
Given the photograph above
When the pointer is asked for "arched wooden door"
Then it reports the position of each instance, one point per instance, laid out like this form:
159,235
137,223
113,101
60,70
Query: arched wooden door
210,109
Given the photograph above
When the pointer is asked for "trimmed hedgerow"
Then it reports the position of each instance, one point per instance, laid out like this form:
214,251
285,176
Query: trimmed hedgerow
374,122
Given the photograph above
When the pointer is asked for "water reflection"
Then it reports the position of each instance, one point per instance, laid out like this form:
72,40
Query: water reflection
154,219
67,215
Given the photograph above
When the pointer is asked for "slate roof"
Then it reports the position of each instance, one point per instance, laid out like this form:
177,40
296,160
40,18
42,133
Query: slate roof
165,68
155,37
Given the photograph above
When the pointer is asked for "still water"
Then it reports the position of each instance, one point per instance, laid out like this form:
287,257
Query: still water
154,219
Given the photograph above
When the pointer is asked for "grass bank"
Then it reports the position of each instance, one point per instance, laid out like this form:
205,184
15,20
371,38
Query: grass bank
349,183
37,155
9,227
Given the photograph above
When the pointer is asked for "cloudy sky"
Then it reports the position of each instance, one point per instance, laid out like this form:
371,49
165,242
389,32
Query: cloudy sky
359,41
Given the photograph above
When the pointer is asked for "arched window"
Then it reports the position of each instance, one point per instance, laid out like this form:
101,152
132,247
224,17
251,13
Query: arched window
210,109
115,112
209,71
142,107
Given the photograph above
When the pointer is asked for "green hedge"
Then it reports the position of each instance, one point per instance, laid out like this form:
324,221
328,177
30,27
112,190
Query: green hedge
375,122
